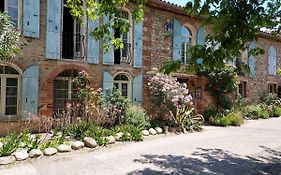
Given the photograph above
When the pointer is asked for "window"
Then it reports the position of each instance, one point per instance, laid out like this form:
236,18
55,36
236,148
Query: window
272,88
243,89
241,63
72,37
186,43
64,91
124,55
12,6
123,85
9,90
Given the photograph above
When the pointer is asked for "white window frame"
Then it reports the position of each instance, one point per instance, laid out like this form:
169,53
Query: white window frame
3,93
119,82
19,12
184,56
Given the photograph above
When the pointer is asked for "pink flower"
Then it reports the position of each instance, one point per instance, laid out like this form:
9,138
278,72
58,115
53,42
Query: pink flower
99,90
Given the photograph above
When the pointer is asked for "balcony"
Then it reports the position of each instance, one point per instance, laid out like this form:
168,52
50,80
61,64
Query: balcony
73,46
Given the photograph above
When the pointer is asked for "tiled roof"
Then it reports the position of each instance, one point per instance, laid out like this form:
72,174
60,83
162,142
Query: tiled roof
171,3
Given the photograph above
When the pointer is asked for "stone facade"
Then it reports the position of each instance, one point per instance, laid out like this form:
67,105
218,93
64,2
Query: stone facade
157,49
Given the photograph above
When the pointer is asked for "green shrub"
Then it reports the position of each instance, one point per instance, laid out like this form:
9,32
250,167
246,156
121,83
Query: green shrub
31,142
235,118
269,98
137,117
276,111
251,111
80,130
131,133
231,119
209,112
55,140
219,120
10,144
264,114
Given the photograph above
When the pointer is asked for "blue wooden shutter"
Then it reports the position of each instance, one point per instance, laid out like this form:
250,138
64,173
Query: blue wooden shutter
13,7
252,60
137,90
30,90
108,56
138,44
93,45
53,33
107,82
272,60
177,37
31,18
200,41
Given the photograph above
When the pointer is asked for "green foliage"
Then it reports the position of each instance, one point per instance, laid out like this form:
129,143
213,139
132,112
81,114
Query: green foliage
80,130
131,133
31,141
222,82
276,111
55,140
136,116
186,120
10,144
269,99
9,38
112,9
234,23
235,118
209,112
115,105
251,111
231,119
171,66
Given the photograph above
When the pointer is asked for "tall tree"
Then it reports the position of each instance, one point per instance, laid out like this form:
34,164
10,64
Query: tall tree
9,38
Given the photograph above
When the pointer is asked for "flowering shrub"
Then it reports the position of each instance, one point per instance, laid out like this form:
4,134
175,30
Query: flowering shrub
174,99
166,89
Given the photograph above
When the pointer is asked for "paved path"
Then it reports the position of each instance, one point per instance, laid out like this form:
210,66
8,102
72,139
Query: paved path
254,148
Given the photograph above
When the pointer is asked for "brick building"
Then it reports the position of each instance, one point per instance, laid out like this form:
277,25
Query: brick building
56,47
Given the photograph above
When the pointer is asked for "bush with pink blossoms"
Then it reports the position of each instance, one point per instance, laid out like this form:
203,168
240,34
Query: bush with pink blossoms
174,101
167,90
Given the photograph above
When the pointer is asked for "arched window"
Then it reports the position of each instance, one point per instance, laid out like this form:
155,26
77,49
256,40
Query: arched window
64,90
186,43
124,55
9,90
123,84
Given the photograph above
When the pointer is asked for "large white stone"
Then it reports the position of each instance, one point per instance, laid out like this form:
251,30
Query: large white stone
64,148
21,155
110,139
159,130
77,145
90,142
50,151
118,135
152,131
7,160
145,132
35,153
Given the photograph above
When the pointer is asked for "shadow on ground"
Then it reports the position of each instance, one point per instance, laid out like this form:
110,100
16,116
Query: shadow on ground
212,161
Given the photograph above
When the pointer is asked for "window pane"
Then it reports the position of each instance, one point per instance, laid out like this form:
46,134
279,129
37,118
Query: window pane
60,94
124,89
11,96
12,82
12,110
13,3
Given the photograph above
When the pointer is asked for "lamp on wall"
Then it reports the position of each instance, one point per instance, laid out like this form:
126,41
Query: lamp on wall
168,29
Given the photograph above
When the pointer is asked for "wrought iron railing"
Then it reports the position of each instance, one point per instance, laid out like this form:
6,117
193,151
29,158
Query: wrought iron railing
73,46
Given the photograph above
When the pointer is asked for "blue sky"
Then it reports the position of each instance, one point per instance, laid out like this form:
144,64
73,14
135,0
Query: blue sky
179,2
